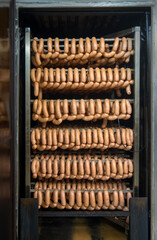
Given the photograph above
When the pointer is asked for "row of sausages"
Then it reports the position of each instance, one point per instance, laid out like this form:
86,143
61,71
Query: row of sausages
75,139
58,111
82,52
85,80
88,196
77,167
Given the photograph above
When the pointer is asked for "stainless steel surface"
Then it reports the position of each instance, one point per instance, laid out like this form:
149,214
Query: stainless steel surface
137,110
27,112
153,106
61,40
84,4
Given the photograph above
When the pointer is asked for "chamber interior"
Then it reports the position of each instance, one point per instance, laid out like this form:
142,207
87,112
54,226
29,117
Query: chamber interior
77,23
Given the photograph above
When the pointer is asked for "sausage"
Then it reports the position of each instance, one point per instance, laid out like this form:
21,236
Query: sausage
74,167
106,137
45,109
34,44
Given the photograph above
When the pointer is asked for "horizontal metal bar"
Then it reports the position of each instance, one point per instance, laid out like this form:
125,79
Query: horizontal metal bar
66,153
55,6
77,39
86,100
122,156
62,45
90,160
85,213
75,190
119,69
87,70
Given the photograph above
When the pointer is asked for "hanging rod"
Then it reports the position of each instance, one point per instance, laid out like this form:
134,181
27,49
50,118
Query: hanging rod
66,155
62,45
91,160
85,100
79,69
77,39
76,190
82,152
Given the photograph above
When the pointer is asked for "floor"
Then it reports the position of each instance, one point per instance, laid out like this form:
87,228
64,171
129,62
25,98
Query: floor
79,229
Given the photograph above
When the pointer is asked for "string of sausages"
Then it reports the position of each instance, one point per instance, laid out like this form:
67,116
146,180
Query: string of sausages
58,111
80,52
89,195
75,139
77,167
85,80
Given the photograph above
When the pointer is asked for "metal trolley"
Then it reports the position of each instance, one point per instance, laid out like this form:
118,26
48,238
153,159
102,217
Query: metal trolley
135,202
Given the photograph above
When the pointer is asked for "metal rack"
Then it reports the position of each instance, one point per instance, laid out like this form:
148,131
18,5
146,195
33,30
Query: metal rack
135,32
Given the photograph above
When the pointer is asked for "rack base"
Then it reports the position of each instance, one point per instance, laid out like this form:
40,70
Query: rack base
138,213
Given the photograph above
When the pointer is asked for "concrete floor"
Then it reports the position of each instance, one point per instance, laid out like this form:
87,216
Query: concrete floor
79,229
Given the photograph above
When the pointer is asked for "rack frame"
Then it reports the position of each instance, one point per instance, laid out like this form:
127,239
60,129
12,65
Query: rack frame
136,32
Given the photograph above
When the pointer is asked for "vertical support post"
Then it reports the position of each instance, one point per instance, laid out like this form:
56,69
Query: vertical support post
27,112
138,219
28,219
14,104
153,107
137,111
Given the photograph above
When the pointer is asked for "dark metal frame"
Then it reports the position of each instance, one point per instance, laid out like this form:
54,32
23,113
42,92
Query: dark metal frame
28,219
71,213
14,108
